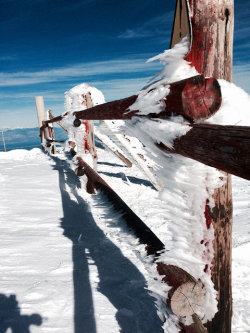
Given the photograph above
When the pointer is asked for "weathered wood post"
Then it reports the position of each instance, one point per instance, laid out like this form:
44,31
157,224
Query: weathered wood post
40,113
90,137
211,54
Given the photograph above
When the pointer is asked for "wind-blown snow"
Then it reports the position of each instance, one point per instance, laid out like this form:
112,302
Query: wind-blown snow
186,181
175,67
151,98
235,108
75,101
74,98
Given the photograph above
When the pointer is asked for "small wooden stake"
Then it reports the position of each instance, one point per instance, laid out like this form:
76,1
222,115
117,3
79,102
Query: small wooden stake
58,122
40,113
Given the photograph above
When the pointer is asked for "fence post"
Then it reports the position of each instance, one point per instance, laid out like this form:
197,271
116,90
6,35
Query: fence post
91,139
3,141
211,54
51,133
40,113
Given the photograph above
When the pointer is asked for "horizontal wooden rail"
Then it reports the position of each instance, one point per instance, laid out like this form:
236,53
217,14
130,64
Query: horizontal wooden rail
186,294
195,98
226,148
145,235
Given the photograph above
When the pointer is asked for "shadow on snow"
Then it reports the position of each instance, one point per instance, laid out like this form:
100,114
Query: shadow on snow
119,280
11,317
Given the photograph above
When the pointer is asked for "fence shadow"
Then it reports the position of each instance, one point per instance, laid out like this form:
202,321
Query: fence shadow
131,179
11,317
118,279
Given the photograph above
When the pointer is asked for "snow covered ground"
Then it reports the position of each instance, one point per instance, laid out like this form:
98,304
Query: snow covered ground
67,263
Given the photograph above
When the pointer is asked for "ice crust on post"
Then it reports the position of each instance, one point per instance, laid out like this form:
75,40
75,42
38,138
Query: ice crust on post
187,183
75,101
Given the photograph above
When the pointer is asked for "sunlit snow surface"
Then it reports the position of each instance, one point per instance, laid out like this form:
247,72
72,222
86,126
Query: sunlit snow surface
68,259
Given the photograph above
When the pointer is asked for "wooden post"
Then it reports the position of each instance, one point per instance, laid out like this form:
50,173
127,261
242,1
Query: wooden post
51,133
195,98
211,54
58,122
3,141
40,113
91,139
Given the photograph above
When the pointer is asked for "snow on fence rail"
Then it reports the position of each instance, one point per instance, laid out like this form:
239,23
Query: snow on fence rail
223,147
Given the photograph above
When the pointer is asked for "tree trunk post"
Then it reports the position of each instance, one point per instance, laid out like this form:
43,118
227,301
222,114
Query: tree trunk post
211,54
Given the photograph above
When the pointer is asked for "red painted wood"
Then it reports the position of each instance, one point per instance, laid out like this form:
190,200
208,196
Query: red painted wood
195,98
174,276
212,25
211,54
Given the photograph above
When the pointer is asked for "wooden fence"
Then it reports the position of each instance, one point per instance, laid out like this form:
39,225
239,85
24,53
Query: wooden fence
224,147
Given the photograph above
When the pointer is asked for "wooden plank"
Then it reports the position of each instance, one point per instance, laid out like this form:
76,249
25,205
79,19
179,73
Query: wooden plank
58,122
182,24
105,140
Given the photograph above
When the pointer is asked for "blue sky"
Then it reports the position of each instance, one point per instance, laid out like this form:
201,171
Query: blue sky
47,47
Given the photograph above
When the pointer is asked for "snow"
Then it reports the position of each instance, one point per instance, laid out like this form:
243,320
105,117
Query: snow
74,98
151,98
68,258
235,108
56,229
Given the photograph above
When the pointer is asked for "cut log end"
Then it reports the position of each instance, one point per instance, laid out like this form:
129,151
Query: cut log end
201,100
187,299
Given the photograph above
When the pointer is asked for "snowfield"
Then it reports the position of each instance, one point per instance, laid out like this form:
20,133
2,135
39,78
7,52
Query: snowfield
68,263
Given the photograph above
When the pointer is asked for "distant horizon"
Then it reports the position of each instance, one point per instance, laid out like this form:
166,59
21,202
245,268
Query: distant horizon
24,137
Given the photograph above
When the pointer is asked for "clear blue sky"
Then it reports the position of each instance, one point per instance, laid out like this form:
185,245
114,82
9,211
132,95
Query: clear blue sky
48,46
